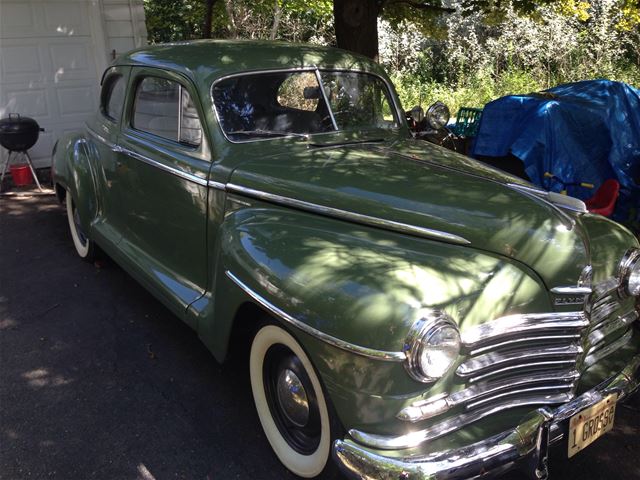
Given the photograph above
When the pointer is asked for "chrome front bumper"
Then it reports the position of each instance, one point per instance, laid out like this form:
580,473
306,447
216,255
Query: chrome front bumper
525,447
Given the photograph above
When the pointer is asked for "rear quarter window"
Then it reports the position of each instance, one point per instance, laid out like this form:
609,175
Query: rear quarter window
112,97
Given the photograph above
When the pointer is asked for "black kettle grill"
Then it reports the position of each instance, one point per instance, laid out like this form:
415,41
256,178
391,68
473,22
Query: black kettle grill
18,134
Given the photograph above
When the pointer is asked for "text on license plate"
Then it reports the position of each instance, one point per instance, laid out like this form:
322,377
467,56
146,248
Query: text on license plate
590,424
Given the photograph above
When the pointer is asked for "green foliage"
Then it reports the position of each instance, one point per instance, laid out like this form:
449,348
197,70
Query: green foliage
170,20
298,20
479,61
484,86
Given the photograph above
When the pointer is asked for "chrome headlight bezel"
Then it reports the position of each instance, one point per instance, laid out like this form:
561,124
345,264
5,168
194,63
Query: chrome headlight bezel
438,115
421,333
629,274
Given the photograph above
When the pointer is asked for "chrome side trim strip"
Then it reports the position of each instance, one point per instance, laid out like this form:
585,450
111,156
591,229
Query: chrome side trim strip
166,168
336,342
149,161
350,216
541,197
217,185
103,140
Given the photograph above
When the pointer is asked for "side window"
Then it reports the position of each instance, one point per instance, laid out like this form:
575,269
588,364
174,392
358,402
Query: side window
163,107
112,98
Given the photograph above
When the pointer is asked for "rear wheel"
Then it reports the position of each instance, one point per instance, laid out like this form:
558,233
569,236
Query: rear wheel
84,246
291,404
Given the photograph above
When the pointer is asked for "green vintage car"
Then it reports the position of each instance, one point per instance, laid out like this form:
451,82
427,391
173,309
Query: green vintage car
406,310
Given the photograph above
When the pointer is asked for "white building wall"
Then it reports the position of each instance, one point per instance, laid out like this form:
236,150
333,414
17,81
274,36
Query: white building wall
52,55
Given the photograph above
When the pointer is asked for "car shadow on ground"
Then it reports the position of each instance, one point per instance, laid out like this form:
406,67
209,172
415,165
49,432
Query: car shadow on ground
99,380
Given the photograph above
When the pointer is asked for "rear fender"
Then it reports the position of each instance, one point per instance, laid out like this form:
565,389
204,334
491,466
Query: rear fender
72,170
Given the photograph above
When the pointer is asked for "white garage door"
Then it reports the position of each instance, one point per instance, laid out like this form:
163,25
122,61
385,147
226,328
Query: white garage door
49,66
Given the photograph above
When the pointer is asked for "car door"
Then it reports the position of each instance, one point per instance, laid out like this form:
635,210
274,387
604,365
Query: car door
165,162
103,131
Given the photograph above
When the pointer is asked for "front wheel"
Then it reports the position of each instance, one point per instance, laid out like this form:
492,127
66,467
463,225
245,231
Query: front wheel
290,402
84,246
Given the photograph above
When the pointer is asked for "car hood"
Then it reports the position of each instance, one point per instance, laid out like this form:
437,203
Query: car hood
418,184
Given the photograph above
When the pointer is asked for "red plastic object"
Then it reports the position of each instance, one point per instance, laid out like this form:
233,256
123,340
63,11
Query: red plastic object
604,200
21,175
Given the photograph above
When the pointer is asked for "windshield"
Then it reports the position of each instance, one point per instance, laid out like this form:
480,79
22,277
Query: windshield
266,105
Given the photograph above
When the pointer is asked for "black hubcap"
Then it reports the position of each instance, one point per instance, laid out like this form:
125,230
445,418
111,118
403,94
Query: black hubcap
292,399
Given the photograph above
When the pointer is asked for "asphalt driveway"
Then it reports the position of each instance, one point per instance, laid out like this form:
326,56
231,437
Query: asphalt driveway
99,381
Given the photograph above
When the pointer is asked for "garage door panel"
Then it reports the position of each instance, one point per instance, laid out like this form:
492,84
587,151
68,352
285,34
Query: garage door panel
30,102
22,61
72,59
77,101
41,151
17,18
67,18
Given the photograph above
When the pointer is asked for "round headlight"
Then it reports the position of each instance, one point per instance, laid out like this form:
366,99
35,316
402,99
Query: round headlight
416,114
630,273
438,115
432,346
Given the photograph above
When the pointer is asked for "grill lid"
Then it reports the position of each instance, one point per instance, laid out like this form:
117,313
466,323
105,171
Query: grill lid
18,132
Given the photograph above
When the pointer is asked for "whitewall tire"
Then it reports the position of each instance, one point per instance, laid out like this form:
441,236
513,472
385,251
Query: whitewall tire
84,246
290,402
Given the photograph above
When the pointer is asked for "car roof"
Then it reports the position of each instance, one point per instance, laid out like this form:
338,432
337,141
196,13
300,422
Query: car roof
208,60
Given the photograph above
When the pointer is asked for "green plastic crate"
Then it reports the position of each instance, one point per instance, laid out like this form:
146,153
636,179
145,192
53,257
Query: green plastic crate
467,122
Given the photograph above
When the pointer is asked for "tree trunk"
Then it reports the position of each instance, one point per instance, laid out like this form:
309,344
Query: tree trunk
233,30
356,24
277,14
206,29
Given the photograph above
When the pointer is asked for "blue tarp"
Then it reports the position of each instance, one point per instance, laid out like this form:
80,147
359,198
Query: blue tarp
580,132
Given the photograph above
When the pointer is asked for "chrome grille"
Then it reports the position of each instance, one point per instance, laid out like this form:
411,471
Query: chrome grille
521,359
610,322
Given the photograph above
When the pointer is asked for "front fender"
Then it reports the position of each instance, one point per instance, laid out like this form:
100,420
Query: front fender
363,286
71,169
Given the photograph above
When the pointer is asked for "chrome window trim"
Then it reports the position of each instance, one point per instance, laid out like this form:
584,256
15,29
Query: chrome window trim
336,342
399,112
349,216
326,100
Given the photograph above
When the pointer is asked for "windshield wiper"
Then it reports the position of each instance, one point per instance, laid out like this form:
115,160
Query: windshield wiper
270,133
349,142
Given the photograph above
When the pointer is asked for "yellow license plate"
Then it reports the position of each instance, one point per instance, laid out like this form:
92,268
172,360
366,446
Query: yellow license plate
590,424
